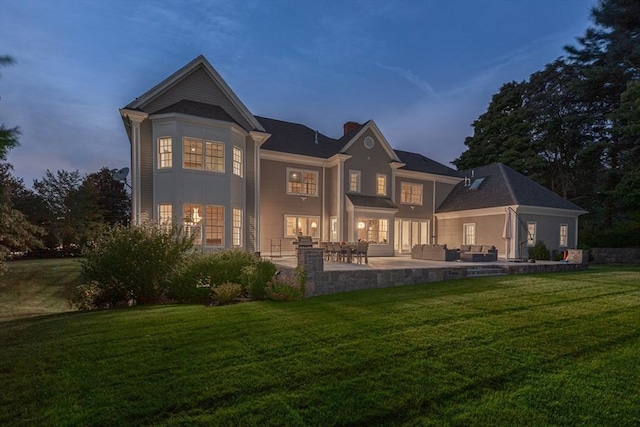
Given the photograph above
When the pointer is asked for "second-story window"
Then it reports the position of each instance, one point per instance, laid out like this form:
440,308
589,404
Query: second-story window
381,185
165,153
411,194
354,181
200,154
237,161
302,182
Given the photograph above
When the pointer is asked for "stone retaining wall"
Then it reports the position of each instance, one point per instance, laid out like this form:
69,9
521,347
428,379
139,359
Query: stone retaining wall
616,255
320,282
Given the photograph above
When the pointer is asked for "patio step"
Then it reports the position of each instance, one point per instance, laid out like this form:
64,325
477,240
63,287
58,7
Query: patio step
485,271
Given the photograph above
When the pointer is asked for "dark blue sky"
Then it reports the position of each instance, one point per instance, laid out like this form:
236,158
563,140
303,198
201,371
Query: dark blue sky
422,70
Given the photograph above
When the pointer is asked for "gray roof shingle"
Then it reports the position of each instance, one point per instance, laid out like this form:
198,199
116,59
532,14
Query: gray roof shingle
372,201
419,163
502,186
295,138
199,109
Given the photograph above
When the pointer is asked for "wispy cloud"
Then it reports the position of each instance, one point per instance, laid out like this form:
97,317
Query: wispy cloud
409,76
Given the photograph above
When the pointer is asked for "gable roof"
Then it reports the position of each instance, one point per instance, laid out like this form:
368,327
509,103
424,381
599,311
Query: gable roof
502,186
199,62
419,163
295,138
200,109
376,131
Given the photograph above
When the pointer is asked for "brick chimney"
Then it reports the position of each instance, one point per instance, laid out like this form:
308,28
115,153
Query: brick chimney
350,127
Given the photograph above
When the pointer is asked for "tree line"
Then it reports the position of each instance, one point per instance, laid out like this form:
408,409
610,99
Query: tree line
574,126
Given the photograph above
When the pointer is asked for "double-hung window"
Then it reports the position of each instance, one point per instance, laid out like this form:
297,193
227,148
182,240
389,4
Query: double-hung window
201,154
302,182
564,228
411,194
354,181
237,161
237,227
381,185
204,222
165,152
165,215
214,231
469,234
296,225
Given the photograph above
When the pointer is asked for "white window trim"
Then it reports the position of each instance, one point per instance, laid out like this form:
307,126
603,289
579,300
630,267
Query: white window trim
170,152
464,233
413,184
566,236
378,176
241,163
240,243
203,159
302,171
165,221
358,174
206,224
532,242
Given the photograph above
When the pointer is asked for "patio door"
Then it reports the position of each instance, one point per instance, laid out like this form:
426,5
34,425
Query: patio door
409,233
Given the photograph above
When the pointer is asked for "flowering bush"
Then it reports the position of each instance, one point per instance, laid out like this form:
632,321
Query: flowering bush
226,292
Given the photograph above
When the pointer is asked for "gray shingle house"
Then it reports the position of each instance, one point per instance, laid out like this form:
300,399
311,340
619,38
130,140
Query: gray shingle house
201,159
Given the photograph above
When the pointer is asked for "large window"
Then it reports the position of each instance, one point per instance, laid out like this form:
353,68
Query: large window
564,228
411,194
193,221
165,214
468,234
237,227
237,161
373,230
301,226
354,181
204,221
215,156
214,231
531,233
165,152
381,185
192,154
302,182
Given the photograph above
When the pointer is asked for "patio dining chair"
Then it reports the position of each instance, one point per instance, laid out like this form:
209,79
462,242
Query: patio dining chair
362,252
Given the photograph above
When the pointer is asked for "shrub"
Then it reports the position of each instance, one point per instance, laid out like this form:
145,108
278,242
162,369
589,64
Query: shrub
133,263
86,296
287,288
226,292
539,251
190,282
255,277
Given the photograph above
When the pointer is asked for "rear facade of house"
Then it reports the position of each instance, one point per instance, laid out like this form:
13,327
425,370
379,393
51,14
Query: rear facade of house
201,160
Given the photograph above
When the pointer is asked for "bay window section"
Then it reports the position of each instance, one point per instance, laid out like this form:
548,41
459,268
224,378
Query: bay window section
165,153
302,182
411,194
373,230
301,226
201,154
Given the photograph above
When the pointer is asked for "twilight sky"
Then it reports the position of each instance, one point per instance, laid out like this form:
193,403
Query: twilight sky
422,70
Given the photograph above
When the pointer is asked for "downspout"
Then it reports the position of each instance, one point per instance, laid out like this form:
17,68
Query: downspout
256,202
340,199
433,214
322,214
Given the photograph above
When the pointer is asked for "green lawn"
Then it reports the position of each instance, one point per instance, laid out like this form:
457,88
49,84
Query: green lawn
538,350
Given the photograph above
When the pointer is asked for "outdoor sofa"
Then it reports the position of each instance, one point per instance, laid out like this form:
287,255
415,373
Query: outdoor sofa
434,253
478,253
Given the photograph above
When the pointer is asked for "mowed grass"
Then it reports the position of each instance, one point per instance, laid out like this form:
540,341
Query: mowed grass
537,350
37,287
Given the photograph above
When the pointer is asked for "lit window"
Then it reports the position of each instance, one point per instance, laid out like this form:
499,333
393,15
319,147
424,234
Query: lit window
469,234
381,185
354,181
373,230
237,227
564,228
215,156
237,161
302,226
165,214
165,154
411,194
531,233
193,221
214,234
191,153
302,182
